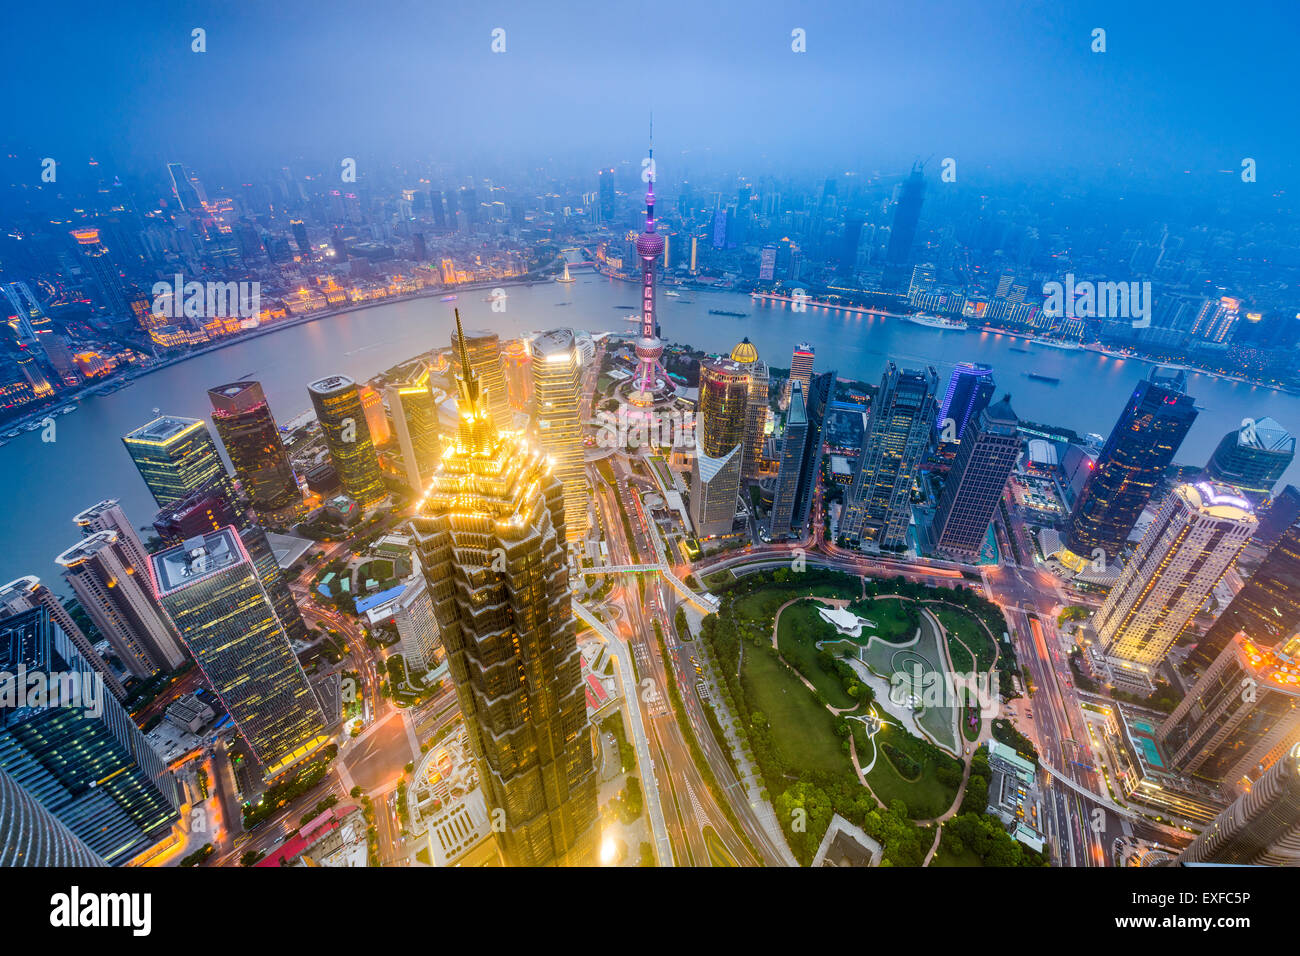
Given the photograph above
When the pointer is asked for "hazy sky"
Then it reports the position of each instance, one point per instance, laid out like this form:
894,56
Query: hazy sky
1183,84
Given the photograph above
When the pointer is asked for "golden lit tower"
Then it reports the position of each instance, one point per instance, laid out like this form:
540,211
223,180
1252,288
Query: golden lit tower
484,351
490,535
557,394
342,419
746,356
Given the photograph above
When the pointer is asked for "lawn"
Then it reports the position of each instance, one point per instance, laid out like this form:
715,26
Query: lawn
798,631
802,729
762,604
963,625
926,796
895,619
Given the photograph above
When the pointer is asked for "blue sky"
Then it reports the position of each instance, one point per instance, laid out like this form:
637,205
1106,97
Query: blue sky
1006,85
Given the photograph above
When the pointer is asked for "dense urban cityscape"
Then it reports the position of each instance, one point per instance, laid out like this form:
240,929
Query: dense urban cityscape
646,510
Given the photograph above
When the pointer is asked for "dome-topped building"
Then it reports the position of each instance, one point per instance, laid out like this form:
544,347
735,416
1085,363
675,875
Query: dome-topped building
744,352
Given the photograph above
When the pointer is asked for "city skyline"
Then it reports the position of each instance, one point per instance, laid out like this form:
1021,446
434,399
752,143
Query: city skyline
661,437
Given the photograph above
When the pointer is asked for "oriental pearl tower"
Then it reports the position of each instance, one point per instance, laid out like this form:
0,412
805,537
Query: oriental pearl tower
650,382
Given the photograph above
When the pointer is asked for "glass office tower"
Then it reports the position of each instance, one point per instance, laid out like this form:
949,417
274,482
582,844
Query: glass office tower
81,756
214,595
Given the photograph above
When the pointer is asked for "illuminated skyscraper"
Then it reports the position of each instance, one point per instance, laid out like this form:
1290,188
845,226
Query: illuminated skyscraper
81,757
484,350
342,418
719,445
32,836
970,388
517,365
115,596
557,390
247,428
176,457
801,456
417,623
491,537
1133,461
878,507
1267,608
25,593
214,596
1262,828
104,271
1195,537
1240,716
1253,457
975,482
108,515
207,511
801,369
415,419
746,356
372,403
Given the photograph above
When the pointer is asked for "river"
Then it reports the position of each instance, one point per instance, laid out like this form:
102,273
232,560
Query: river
46,483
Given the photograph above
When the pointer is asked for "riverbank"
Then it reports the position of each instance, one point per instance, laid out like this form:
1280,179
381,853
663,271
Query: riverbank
135,373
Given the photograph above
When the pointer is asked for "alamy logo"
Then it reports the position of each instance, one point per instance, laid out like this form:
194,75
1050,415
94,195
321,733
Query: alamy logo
42,689
74,908
1100,300
206,300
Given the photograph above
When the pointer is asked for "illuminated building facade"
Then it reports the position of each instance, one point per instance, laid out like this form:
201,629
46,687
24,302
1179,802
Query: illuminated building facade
32,836
82,758
746,356
491,537
801,456
342,418
974,485
970,389
878,509
801,369
557,391
1195,537
104,272
207,511
176,457
484,350
1253,457
252,440
415,420
27,593
1262,828
1240,716
517,365
1267,608
372,403
115,595
214,596
1133,461
719,445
